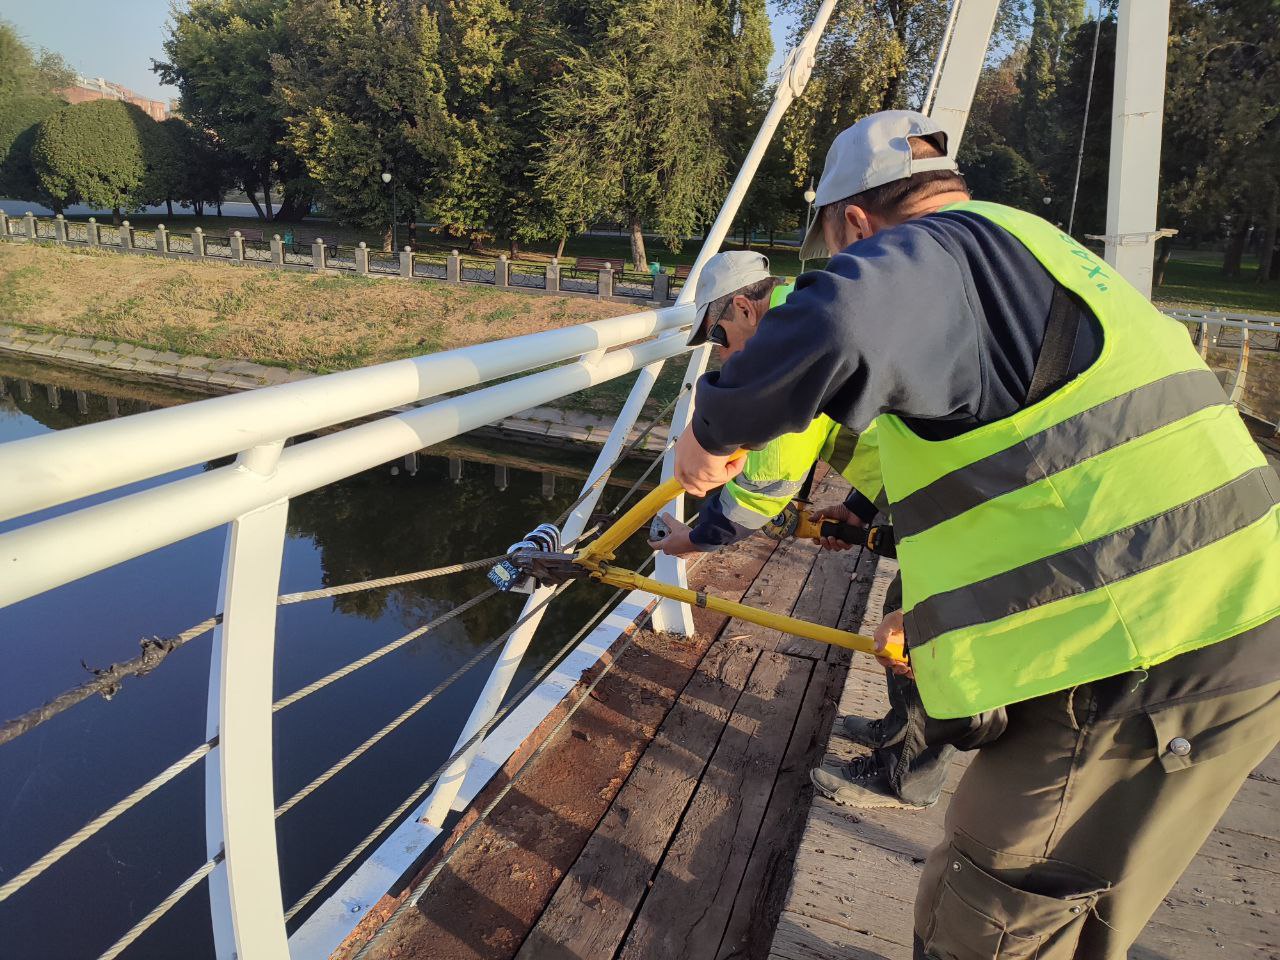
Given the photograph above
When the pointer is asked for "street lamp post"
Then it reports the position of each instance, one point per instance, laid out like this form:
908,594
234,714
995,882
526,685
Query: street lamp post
386,178
809,197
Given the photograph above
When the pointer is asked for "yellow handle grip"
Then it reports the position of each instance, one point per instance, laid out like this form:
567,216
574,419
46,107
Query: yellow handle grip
604,546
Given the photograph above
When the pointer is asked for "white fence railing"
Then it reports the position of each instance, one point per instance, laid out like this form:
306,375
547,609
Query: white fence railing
252,497
1244,333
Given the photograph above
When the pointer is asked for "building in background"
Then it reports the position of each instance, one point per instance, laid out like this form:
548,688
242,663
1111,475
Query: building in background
95,88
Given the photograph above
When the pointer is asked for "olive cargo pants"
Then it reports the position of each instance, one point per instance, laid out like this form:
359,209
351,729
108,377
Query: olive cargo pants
1065,834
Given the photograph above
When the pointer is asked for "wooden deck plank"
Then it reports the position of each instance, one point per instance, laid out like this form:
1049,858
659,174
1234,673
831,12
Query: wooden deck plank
593,906
764,882
688,905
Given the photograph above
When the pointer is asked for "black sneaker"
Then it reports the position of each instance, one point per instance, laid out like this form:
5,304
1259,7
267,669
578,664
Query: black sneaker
859,783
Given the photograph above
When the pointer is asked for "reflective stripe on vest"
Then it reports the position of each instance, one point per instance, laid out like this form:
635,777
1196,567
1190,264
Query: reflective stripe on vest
1124,519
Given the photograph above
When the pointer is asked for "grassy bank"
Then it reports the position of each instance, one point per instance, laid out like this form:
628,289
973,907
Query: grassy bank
1194,279
301,320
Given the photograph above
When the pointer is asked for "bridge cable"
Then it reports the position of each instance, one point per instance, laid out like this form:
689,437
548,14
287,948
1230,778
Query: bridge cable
430,782
163,907
481,733
15,884
155,650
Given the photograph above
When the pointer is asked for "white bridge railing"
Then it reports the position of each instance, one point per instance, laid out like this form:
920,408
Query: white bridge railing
1242,332
251,496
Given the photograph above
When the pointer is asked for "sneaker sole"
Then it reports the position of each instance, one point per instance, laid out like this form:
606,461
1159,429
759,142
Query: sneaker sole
878,803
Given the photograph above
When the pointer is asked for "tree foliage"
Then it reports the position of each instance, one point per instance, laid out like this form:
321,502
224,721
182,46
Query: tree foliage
219,57
29,85
95,153
362,93
632,126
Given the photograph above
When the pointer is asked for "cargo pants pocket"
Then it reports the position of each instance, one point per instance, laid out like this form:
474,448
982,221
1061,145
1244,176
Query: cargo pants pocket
977,917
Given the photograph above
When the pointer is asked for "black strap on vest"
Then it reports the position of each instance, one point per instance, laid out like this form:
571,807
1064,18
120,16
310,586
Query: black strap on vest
1053,367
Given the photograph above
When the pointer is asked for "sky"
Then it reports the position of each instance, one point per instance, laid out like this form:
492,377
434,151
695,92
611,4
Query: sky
118,39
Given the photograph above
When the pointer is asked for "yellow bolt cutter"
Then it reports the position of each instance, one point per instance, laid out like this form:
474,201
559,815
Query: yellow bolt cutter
537,558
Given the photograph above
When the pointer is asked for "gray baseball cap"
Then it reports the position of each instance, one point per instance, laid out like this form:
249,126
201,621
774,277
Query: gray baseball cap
725,273
874,151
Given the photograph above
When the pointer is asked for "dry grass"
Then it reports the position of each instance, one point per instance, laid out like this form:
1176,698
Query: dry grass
293,319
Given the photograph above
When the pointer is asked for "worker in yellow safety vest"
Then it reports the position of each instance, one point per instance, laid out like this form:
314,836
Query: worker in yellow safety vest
1087,533
911,752
735,290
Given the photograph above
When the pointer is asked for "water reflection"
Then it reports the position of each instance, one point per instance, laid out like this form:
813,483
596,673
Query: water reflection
466,500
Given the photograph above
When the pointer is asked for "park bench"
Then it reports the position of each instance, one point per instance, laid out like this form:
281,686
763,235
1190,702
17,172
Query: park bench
599,263
682,271
250,234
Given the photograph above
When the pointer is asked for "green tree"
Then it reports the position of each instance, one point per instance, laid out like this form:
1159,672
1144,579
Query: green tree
875,55
631,127
1220,164
362,93
95,153
165,151
219,57
1053,23
29,85
774,202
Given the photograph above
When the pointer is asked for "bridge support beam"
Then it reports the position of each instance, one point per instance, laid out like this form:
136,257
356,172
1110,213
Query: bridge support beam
1137,118
244,891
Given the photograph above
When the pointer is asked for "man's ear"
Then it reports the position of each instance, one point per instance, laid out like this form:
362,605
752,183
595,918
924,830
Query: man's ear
747,308
858,224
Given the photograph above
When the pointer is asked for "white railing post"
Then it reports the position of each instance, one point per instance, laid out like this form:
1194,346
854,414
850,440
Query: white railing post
244,891
796,69
504,670
969,28
1137,119
91,232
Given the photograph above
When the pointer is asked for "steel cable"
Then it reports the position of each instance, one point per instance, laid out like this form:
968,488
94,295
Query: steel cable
155,650
439,688
417,794
163,907
381,651
101,820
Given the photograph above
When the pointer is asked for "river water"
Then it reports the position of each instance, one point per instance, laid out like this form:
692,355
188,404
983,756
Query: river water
469,501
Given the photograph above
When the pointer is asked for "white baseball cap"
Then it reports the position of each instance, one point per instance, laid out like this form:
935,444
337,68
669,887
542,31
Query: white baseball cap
874,151
725,273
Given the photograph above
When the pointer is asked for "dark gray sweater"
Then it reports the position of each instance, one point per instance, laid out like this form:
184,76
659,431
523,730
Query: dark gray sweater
939,320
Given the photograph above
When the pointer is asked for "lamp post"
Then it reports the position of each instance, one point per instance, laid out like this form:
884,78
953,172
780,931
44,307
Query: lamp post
386,178
809,197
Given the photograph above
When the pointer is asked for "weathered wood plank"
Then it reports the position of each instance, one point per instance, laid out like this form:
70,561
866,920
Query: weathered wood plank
821,601
764,883
593,906
688,905
808,938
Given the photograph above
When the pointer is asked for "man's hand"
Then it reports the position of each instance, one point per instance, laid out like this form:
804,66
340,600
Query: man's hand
677,543
700,472
890,632
839,512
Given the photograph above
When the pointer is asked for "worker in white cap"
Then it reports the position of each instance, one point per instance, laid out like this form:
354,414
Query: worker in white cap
1088,537
735,291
